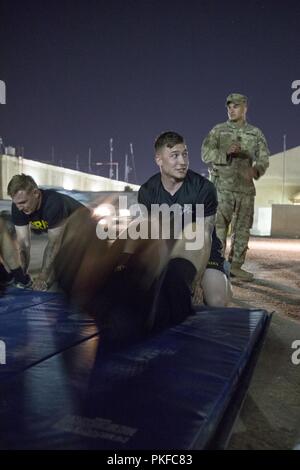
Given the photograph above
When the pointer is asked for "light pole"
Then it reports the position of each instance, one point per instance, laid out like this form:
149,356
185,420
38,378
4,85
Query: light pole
77,162
90,160
133,162
283,168
111,173
110,163
127,169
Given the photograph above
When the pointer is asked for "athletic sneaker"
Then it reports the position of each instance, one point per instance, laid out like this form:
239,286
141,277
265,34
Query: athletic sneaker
25,285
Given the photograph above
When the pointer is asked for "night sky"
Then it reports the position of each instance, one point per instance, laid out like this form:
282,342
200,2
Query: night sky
80,72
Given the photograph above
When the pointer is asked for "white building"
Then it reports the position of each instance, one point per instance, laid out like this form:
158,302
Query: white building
277,192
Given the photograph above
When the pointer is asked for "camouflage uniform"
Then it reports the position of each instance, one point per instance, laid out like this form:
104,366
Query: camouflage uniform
235,193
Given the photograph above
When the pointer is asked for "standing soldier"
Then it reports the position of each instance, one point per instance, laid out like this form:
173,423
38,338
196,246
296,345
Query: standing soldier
236,153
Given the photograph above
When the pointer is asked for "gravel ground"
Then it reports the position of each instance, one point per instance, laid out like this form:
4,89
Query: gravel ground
270,417
276,287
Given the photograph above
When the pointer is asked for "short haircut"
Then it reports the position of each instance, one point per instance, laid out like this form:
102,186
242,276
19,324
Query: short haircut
20,183
169,138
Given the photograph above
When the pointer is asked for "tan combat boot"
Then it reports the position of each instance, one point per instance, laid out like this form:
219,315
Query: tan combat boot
237,271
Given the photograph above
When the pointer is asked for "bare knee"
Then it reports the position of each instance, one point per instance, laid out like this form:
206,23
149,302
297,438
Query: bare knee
216,300
216,288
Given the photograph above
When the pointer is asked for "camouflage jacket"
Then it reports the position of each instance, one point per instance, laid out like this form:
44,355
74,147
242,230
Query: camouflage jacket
228,172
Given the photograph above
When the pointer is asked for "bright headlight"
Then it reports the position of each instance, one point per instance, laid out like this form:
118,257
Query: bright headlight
102,211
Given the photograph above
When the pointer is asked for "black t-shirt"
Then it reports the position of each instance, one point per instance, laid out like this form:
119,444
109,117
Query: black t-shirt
55,207
195,190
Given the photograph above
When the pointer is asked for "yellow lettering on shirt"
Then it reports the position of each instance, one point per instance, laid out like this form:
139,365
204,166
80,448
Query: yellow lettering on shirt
39,224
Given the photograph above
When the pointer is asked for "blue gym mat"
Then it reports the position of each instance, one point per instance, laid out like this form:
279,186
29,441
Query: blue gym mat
16,299
169,391
36,325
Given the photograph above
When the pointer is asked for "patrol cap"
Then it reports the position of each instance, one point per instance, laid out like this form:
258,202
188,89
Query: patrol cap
236,98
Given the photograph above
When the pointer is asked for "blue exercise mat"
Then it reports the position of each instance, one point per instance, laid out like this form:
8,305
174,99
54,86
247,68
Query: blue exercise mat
167,392
15,300
36,325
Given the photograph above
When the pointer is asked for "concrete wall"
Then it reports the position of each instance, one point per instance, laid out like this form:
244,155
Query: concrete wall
278,186
285,221
281,181
50,175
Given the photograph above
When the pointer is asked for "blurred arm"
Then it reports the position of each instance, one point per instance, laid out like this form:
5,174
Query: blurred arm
24,243
46,275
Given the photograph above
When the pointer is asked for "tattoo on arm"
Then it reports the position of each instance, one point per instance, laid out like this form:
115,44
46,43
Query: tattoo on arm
24,256
23,239
51,250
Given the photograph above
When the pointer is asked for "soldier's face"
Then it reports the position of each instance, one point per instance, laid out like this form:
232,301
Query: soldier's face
27,201
173,162
236,112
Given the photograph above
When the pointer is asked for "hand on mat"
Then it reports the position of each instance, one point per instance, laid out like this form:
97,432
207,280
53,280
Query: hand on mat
40,283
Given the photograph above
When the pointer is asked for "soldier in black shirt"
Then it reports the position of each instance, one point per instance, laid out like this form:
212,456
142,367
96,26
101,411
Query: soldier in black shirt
138,285
42,211
176,184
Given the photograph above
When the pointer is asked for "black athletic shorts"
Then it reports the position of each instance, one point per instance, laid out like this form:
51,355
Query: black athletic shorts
216,259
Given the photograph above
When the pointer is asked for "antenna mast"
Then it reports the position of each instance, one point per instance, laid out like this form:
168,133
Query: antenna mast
133,162
111,170
90,160
127,169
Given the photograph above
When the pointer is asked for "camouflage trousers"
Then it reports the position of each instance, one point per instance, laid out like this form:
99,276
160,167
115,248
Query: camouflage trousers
237,209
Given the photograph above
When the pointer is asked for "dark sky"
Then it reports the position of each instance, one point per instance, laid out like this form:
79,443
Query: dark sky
79,72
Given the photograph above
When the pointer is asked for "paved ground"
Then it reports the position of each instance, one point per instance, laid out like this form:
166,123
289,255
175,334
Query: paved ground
270,417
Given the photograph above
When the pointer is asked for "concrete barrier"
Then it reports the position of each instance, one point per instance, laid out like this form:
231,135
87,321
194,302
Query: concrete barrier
51,175
285,221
